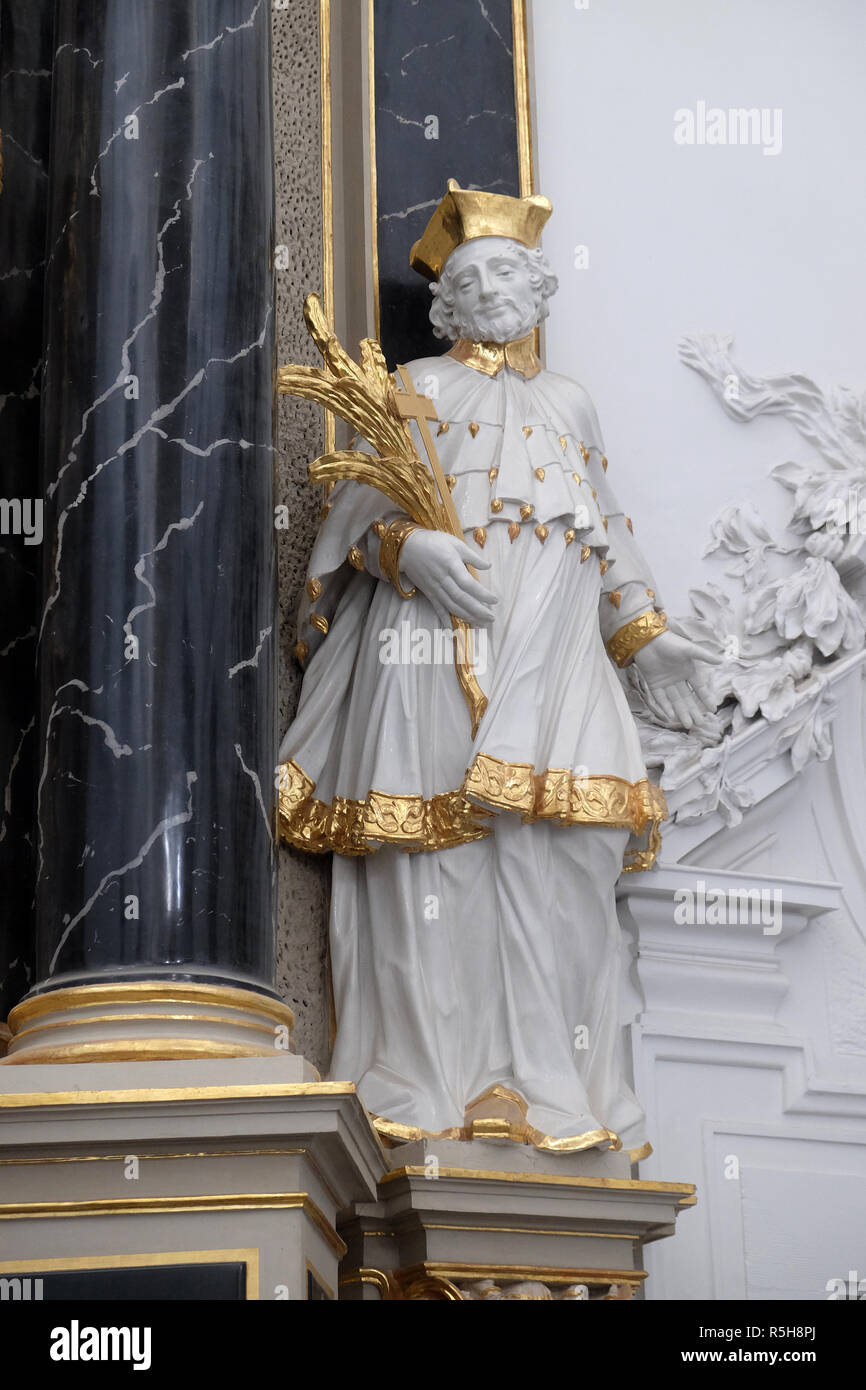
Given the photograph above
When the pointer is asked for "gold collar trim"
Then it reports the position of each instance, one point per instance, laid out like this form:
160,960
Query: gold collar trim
490,358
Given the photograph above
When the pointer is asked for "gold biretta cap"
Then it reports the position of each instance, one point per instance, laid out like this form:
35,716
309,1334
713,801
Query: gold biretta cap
467,213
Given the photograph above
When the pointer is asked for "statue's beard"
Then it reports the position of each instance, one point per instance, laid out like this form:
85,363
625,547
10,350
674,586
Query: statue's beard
509,320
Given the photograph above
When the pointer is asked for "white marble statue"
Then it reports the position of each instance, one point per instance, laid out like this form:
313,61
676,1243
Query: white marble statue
475,948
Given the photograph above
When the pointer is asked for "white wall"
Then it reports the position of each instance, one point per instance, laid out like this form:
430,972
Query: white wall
700,239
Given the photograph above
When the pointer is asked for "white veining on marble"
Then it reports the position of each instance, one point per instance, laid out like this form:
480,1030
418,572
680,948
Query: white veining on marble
254,659
419,48
28,394
94,62
31,158
217,444
17,270
254,778
157,292
401,120
169,823
407,212
499,116
7,795
23,637
486,13
160,413
120,750
183,525
229,29
25,72
115,134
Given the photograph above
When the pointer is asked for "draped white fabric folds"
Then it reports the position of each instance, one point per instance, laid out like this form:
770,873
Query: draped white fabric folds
479,959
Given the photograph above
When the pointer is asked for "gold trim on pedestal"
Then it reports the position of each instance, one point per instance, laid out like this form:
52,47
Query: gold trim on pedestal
171,1020
26,1100
136,1206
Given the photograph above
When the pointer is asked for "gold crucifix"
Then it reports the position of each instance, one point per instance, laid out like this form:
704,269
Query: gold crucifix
412,405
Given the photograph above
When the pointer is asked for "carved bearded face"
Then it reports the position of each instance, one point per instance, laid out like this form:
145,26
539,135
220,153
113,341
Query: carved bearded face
491,290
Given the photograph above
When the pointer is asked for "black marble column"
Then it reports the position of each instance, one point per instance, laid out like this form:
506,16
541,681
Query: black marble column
26,52
446,107
154,818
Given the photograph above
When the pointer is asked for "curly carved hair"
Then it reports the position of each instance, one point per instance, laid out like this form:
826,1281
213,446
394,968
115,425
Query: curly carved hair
542,279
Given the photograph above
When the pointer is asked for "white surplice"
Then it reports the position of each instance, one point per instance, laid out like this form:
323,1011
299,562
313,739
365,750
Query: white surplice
474,937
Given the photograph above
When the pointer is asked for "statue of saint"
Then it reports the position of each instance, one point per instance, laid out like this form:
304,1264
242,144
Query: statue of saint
475,948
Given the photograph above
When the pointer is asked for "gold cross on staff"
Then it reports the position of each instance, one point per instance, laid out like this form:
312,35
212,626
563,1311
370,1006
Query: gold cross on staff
413,406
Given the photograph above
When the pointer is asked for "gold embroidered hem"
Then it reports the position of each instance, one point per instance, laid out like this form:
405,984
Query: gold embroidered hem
490,358
629,640
360,827
558,794
394,1133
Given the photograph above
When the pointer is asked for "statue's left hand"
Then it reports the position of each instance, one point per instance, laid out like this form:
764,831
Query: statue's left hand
668,667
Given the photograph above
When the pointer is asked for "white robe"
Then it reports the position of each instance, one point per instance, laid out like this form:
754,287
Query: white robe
478,957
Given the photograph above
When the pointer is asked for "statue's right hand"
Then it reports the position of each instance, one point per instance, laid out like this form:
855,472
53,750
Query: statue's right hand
434,562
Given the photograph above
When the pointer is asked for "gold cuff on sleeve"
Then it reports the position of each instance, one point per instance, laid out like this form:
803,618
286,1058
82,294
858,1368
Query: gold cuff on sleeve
634,635
389,553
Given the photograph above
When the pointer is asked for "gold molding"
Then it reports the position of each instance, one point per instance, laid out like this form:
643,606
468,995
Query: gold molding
149,1018
185,1005
161,1206
366,1275
527,1231
685,1190
148,991
146,1158
146,1095
249,1256
326,100
132,1050
374,171
522,98
442,1269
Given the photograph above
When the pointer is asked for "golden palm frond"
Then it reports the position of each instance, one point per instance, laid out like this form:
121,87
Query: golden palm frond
363,394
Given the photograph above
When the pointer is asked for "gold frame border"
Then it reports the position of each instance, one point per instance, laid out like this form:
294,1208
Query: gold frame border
326,100
523,114
684,1190
250,1257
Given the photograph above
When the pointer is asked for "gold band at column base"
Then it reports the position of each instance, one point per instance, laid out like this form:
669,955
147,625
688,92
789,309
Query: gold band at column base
147,1020
624,644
